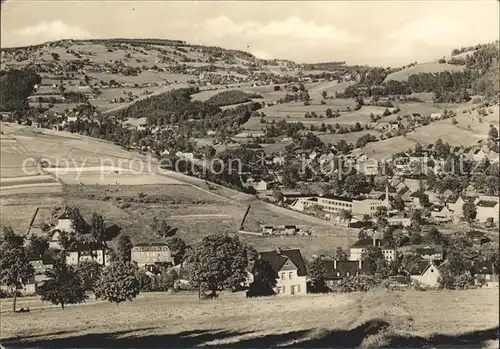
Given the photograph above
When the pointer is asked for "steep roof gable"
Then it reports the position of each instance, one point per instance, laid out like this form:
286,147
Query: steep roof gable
278,260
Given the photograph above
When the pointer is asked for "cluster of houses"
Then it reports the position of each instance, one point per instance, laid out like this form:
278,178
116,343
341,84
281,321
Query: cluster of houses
288,264
291,272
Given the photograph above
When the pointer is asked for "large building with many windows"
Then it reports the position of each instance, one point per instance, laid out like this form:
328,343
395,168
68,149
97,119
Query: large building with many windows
334,204
147,254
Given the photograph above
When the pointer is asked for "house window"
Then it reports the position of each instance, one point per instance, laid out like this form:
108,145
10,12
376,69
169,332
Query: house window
282,276
298,288
278,290
432,270
290,274
283,289
292,289
487,277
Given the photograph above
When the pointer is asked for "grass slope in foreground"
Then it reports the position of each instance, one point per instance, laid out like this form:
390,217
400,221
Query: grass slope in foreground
377,318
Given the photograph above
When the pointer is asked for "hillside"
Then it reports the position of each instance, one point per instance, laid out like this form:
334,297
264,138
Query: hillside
376,319
112,72
430,67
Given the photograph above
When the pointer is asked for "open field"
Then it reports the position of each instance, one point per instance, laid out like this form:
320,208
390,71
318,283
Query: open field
469,130
18,209
93,163
430,67
197,212
330,87
109,175
23,145
378,318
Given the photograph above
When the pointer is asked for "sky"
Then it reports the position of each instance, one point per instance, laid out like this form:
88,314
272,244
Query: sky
385,33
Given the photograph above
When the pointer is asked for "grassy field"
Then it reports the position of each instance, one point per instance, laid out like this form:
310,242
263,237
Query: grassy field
430,67
469,129
18,209
197,212
375,319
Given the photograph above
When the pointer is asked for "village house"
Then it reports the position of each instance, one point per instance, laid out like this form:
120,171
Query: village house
485,275
40,266
426,252
403,221
337,270
259,186
436,116
487,209
81,252
267,229
441,213
359,247
65,224
477,154
290,270
426,273
145,254
477,237
185,155
455,206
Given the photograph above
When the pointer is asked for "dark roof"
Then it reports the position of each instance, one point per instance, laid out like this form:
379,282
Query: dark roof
437,208
277,260
144,244
83,247
337,197
475,234
342,267
414,176
64,215
365,242
486,203
484,268
419,267
46,259
291,196
427,249
290,227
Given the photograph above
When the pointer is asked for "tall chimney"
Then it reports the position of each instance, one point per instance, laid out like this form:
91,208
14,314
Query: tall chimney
360,264
387,194
334,264
278,250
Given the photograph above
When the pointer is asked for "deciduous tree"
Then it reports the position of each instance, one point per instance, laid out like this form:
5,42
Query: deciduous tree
264,279
118,283
218,262
15,269
469,211
63,286
124,248
316,271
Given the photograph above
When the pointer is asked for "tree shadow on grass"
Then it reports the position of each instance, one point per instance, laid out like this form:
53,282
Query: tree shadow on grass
301,339
123,339
474,339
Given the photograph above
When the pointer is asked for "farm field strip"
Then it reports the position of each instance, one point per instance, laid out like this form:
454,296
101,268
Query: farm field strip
25,180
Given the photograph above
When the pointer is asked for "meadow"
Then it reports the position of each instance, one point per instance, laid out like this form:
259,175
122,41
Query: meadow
429,67
195,212
378,318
